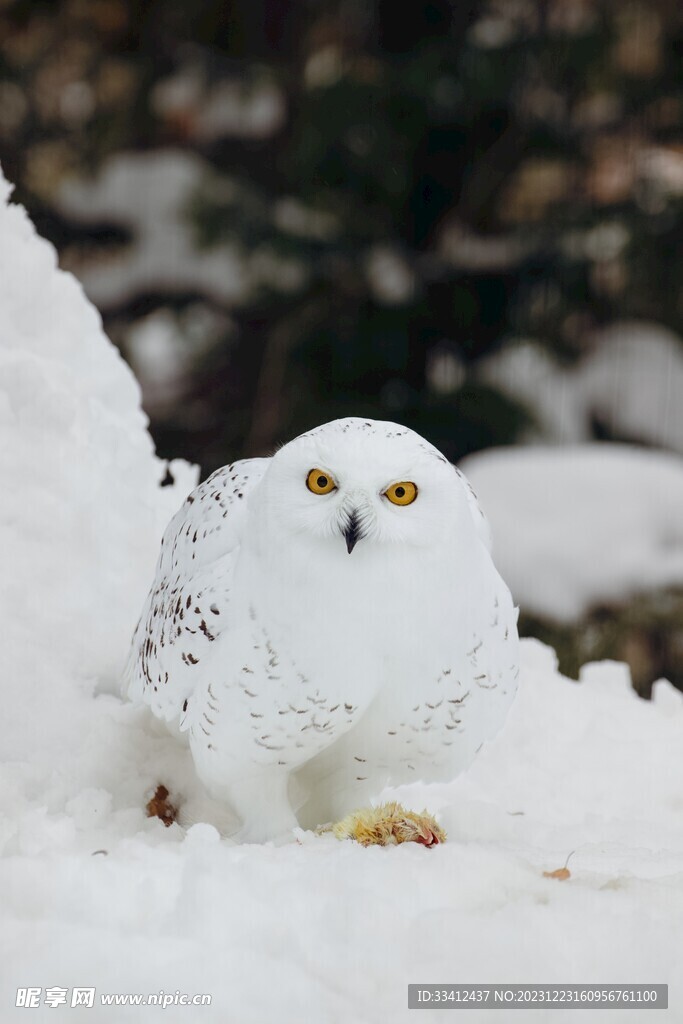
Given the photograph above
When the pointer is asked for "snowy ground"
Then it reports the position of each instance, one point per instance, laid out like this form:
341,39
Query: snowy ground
94,894
332,932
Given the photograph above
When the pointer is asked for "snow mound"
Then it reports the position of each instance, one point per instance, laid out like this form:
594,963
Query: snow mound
81,510
574,526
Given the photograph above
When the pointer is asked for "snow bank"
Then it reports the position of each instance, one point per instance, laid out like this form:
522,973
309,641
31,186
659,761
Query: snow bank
94,894
81,511
630,382
574,526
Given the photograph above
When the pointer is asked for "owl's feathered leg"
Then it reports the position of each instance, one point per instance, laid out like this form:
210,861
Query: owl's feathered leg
388,825
261,802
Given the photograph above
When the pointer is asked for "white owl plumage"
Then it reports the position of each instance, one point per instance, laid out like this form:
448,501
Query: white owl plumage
335,639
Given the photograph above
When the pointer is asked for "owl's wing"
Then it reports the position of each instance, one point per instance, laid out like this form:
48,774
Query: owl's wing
185,610
481,523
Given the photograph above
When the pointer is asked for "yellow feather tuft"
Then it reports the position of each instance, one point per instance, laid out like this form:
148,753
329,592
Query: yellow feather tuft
388,825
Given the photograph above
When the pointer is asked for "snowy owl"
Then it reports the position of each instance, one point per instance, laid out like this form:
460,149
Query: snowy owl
325,622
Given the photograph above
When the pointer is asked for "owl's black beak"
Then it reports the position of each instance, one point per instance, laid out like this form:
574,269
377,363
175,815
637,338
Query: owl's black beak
353,532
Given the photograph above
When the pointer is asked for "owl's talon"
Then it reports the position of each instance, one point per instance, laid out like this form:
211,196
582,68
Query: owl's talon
387,825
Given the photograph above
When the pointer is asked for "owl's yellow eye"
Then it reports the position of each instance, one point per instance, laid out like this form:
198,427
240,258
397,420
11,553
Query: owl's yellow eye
403,493
320,482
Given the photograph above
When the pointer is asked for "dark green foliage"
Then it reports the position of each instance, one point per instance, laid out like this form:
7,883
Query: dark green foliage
404,126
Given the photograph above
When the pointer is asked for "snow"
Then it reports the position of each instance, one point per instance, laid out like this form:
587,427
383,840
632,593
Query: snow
465,249
161,345
389,276
93,893
150,195
160,356
331,931
633,381
526,372
579,525
629,381
80,508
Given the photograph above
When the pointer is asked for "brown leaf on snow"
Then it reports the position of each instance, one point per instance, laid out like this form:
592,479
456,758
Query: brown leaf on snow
561,874
161,807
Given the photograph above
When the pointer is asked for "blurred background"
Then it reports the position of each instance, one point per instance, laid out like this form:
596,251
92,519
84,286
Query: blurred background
463,217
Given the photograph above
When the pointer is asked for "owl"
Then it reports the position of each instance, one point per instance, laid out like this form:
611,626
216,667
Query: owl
326,622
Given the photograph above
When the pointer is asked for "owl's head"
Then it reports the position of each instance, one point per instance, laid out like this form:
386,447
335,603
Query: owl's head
360,483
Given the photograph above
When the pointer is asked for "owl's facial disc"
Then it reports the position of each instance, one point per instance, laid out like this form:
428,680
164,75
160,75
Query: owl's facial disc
355,480
354,516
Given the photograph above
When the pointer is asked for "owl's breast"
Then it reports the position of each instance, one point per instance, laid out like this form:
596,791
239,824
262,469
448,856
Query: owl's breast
362,622
388,647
